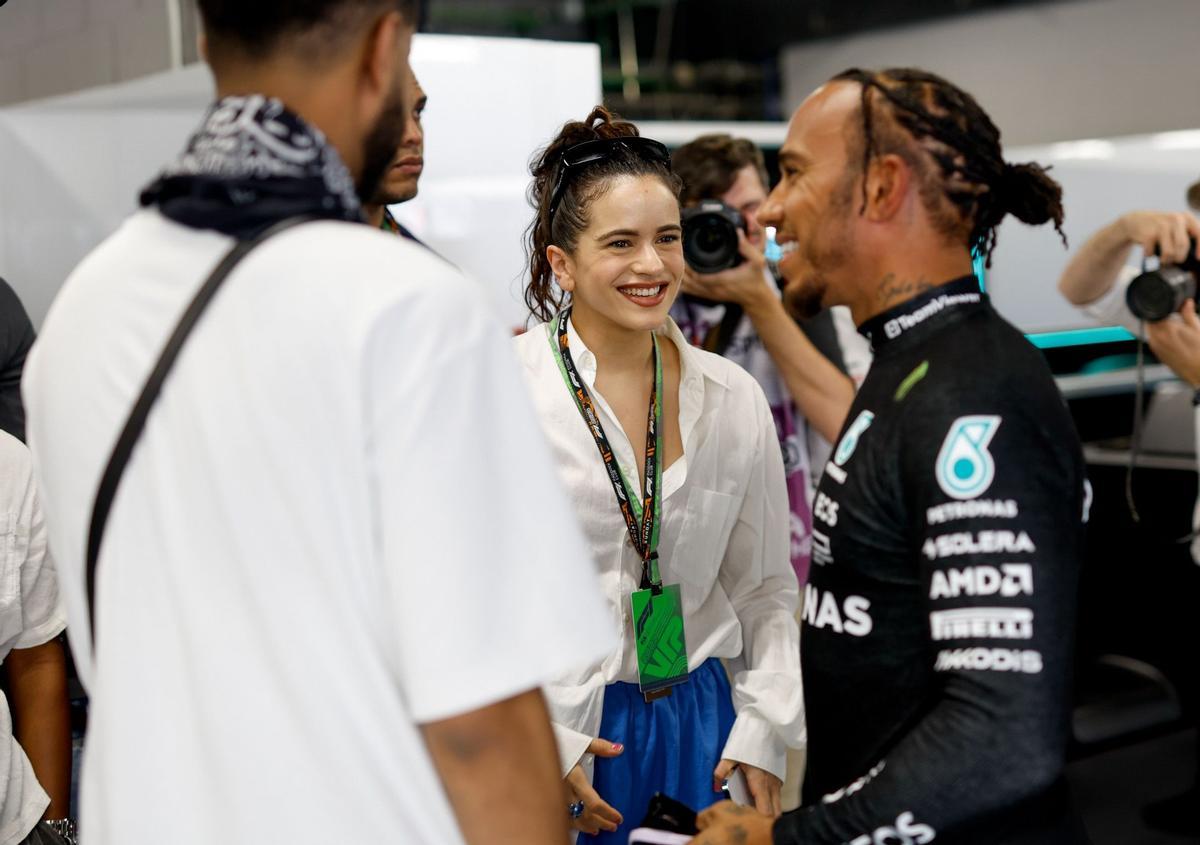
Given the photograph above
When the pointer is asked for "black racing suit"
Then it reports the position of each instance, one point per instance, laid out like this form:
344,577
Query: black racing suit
938,620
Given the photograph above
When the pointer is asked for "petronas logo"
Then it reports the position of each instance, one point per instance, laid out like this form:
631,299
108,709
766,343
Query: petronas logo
965,468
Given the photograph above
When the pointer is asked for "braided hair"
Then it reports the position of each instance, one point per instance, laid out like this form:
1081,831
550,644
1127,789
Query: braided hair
975,187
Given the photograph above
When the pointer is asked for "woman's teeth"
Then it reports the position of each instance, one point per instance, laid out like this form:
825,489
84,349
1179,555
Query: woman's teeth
642,291
788,248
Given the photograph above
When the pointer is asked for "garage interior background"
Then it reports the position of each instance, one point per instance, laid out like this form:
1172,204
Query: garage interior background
1106,90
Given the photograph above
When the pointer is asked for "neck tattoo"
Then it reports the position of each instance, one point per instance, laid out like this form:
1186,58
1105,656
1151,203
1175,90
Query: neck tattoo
891,289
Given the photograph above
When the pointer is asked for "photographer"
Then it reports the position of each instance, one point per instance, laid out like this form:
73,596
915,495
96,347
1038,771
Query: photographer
1097,279
808,373
1099,274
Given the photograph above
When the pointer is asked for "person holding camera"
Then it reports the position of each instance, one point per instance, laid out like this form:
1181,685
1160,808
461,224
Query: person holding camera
808,370
1097,279
670,458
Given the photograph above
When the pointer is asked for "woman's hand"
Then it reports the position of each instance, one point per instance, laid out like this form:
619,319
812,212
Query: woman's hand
764,786
597,815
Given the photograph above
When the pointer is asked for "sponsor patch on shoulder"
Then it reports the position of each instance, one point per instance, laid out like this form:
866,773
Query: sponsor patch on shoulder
849,441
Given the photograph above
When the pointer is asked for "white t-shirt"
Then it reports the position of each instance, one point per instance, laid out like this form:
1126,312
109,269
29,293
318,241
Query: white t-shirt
1112,310
724,540
340,522
30,614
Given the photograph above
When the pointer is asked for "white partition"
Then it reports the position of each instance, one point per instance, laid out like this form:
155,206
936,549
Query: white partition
72,166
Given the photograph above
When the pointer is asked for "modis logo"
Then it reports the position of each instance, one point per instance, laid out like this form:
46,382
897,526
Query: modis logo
965,468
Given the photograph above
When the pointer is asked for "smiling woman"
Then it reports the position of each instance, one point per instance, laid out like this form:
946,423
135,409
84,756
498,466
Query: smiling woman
670,457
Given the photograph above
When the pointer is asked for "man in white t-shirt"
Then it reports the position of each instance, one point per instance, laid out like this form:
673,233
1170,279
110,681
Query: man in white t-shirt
35,775
339,564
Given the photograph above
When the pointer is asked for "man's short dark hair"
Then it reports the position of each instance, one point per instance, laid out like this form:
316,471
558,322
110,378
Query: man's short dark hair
710,165
253,29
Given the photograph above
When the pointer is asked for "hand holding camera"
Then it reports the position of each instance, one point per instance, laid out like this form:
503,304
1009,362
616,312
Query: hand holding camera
741,283
1176,342
1161,291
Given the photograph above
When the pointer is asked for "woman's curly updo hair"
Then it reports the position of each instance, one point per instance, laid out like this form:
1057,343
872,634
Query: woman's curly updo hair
542,294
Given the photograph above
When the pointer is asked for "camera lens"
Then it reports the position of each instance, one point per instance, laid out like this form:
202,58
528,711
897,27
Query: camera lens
1156,295
710,237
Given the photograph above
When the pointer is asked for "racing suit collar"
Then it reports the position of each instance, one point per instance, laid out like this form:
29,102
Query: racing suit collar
929,308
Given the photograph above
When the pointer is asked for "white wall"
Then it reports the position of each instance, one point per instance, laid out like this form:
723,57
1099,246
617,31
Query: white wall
1084,69
74,165
492,103
50,47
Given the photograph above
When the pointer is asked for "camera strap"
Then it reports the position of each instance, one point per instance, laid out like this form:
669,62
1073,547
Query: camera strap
1135,447
136,423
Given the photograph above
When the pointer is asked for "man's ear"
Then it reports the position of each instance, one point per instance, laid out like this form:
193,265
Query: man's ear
888,180
562,265
387,44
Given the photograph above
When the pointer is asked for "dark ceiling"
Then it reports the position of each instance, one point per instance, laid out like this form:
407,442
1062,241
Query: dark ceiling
695,59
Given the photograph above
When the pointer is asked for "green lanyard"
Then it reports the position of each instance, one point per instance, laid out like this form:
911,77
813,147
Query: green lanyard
641,518
389,224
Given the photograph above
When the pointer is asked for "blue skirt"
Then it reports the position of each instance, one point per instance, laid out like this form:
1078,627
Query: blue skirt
671,745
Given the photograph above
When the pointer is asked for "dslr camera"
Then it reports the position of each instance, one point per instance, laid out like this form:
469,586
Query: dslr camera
1155,294
710,236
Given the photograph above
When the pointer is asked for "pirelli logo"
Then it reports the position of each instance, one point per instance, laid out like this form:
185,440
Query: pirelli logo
990,623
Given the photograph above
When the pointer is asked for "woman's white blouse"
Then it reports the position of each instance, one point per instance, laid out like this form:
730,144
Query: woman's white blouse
724,540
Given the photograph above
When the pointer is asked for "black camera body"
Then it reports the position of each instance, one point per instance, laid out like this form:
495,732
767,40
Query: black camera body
710,236
1157,294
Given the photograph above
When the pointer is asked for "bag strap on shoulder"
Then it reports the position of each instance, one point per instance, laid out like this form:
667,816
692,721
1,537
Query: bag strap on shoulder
136,423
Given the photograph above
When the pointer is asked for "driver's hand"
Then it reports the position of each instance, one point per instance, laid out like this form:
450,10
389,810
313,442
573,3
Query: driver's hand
740,285
728,824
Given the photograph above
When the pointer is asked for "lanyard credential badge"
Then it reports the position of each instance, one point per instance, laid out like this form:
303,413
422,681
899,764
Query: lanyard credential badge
658,632
657,610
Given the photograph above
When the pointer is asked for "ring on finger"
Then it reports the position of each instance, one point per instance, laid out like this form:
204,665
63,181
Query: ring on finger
575,809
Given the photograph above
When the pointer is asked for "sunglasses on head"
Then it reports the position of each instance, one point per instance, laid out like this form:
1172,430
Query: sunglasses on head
589,152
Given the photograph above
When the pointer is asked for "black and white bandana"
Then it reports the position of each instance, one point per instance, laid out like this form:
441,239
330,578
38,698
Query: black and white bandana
252,164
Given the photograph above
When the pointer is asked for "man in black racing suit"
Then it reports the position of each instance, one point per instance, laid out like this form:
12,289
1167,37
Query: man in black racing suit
938,619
